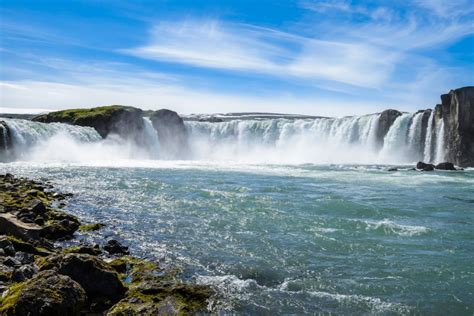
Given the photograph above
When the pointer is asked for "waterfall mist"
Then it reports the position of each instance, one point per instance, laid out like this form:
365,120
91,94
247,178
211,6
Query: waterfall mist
348,140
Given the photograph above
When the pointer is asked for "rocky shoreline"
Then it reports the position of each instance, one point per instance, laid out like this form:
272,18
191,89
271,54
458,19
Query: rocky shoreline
40,277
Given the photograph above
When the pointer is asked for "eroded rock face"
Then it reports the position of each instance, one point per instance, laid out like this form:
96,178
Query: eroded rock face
6,142
96,277
457,111
47,293
171,132
115,119
386,120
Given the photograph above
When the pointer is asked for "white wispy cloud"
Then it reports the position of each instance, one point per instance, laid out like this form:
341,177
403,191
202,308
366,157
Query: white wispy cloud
357,54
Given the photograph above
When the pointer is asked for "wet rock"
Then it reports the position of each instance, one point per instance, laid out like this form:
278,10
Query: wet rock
393,169
113,247
25,258
96,277
7,246
24,272
386,120
91,227
47,293
90,250
171,132
11,262
424,166
445,166
457,112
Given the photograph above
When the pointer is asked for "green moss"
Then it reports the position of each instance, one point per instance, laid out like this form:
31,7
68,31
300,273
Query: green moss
27,247
8,302
74,115
91,227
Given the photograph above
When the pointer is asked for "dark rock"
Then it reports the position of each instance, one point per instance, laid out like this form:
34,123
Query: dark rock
11,262
445,166
457,112
25,258
6,142
7,246
393,169
96,277
386,120
115,119
171,132
47,293
424,166
94,251
10,225
24,272
114,247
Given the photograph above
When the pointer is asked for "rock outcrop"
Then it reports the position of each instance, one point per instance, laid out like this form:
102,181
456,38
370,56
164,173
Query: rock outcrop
6,141
172,133
457,111
386,120
125,121
47,293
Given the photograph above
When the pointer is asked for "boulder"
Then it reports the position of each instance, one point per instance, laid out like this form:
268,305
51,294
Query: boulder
172,133
11,225
457,112
424,166
113,247
47,293
95,276
385,121
445,166
125,121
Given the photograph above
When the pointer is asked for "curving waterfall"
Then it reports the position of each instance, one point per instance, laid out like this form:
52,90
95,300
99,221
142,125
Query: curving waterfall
276,140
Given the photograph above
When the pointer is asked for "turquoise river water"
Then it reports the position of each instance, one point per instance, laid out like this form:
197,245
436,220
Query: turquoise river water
289,239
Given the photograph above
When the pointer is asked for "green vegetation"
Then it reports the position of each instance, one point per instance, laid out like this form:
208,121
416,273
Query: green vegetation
74,116
91,227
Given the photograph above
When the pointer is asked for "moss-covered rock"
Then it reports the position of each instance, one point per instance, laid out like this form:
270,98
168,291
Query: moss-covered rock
91,227
27,211
47,293
99,279
156,291
117,119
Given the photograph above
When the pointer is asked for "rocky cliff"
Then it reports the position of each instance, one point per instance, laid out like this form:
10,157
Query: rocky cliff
115,119
171,132
457,112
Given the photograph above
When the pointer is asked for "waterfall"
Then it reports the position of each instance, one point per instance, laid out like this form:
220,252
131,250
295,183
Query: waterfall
395,142
440,150
27,133
414,134
428,139
275,140
151,139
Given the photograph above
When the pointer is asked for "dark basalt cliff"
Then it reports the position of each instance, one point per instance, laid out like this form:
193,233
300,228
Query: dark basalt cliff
125,121
386,120
457,111
171,132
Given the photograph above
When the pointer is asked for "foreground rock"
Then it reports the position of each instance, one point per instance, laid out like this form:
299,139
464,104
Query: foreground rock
26,211
125,121
96,277
37,278
457,111
171,132
47,293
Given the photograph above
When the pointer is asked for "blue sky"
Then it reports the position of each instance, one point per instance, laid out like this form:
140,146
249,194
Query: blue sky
328,57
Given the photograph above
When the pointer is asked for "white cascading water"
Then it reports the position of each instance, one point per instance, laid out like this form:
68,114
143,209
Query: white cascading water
271,140
440,150
414,135
429,139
